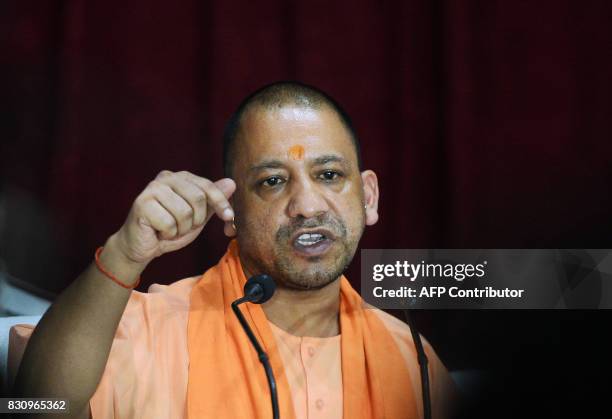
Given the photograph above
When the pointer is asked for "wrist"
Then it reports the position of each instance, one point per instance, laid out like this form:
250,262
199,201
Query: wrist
116,262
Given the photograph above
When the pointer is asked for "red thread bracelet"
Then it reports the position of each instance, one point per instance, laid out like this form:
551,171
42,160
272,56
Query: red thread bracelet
110,275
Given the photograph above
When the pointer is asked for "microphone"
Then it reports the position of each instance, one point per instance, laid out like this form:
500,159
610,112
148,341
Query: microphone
257,290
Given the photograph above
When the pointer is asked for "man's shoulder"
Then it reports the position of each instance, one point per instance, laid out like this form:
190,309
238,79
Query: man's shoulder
175,296
178,288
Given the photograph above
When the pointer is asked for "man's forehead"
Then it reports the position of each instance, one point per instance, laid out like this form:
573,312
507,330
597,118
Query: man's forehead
294,133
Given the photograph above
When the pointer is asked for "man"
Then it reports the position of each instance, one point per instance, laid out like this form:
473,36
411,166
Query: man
297,201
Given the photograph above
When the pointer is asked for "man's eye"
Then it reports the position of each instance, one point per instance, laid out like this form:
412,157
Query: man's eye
329,175
272,181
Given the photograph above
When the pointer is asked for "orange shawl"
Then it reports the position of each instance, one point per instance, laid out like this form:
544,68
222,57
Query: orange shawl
226,379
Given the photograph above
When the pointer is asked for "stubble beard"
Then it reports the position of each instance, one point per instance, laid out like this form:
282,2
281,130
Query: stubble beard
315,276
320,271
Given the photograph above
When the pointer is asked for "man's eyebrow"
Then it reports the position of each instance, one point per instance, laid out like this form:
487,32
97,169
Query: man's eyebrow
329,158
318,161
267,164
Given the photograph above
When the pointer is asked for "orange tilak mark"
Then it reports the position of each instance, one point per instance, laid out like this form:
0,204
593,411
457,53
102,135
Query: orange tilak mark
296,152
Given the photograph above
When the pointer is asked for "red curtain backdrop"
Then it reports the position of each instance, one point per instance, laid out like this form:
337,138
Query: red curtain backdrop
488,122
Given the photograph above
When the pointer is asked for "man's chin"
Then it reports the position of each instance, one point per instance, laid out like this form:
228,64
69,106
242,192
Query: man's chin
309,276
308,284
306,272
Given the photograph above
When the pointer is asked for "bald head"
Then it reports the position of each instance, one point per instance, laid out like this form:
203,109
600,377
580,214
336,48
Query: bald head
276,96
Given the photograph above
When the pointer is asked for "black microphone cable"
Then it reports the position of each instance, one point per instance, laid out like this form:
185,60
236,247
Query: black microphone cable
422,359
259,289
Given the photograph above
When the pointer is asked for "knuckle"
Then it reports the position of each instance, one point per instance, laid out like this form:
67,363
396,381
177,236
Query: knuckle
163,174
185,214
167,224
199,197
154,185
141,203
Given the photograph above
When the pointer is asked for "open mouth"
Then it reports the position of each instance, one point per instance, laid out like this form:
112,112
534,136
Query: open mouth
314,243
307,239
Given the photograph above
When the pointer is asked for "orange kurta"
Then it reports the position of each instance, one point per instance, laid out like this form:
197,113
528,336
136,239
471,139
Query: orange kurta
148,371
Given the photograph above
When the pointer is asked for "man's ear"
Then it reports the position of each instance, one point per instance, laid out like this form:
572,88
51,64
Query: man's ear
370,194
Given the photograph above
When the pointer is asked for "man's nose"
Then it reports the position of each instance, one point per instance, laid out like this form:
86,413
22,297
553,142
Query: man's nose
306,200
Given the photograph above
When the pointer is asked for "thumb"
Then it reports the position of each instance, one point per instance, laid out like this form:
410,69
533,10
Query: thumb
227,186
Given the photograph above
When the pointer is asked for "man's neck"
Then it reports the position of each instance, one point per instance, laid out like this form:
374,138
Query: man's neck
312,313
306,313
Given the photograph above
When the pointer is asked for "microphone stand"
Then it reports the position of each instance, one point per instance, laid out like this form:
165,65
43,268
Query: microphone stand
422,359
263,357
